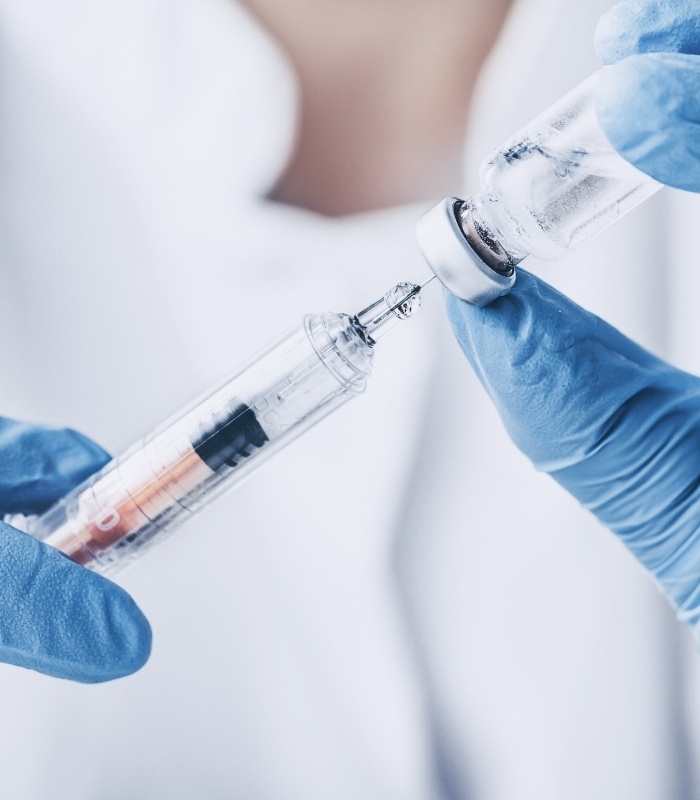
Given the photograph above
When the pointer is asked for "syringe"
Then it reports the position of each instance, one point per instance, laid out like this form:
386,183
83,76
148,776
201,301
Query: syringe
143,495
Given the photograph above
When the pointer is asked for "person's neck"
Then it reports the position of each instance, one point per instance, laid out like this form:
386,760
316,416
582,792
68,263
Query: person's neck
385,93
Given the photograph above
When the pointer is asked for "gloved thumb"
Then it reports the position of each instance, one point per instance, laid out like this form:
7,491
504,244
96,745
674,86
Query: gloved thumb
63,620
554,395
616,426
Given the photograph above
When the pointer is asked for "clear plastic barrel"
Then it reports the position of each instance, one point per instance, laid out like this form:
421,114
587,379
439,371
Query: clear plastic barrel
162,480
552,186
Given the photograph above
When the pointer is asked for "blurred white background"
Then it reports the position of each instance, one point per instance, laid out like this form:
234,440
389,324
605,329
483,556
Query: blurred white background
397,606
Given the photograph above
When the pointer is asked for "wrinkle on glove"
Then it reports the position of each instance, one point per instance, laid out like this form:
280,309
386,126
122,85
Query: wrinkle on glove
57,617
648,100
614,425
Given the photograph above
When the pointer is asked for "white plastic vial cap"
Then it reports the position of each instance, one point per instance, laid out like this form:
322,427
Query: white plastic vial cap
452,259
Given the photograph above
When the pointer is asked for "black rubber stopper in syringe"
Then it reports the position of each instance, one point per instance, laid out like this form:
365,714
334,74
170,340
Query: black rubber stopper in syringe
230,439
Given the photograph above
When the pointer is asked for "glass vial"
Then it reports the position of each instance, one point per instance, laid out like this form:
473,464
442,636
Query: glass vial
551,187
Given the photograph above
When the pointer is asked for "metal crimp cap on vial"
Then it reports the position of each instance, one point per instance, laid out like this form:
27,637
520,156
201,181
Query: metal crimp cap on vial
452,259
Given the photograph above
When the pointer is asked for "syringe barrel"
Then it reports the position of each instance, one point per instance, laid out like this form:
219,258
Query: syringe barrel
146,493
552,186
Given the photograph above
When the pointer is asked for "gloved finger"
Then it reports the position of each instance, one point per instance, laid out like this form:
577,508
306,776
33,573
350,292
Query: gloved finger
649,108
555,372
648,26
63,620
616,426
38,465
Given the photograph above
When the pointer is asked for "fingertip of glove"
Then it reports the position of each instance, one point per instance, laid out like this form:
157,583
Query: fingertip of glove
67,621
505,332
78,457
106,633
614,36
649,111
42,464
635,27
129,636
523,350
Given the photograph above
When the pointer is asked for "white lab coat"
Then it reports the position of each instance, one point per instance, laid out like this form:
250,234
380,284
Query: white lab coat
397,606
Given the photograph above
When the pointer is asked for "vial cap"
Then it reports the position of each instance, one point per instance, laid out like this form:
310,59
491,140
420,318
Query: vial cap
452,259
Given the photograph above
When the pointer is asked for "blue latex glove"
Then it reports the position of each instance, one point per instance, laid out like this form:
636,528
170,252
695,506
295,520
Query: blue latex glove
614,425
55,616
649,102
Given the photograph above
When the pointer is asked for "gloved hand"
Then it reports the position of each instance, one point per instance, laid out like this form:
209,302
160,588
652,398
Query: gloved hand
55,616
648,103
614,425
